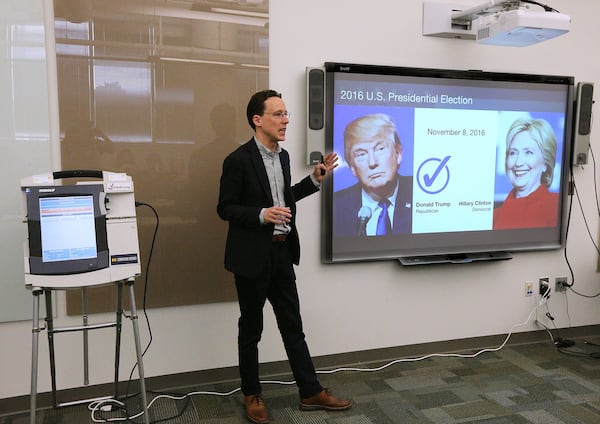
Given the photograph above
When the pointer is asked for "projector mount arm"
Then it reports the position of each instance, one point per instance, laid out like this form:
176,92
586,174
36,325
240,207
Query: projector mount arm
490,6
493,6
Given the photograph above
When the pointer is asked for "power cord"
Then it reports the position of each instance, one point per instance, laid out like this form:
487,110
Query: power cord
541,324
147,272
544,6
576,193
97,407
444,355
101,407
112,404
593,355
559,342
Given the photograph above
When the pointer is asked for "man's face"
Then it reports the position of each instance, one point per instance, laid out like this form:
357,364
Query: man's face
272,124
375,163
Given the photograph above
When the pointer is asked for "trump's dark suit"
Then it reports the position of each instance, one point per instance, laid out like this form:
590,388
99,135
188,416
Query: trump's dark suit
263,269
347,202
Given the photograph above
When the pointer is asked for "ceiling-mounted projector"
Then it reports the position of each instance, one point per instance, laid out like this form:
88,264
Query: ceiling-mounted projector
519,28
497,22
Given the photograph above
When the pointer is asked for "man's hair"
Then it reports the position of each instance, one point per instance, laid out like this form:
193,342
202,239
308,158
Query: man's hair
368,127
541,132
256,104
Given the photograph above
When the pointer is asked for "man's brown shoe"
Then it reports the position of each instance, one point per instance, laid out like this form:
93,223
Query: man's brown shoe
256,411
324,400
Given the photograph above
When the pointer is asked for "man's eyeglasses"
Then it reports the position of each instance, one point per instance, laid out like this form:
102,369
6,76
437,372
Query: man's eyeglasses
279,115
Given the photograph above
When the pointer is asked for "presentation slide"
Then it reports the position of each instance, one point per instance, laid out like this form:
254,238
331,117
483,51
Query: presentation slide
452,138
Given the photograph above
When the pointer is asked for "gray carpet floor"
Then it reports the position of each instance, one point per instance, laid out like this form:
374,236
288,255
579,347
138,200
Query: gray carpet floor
528,383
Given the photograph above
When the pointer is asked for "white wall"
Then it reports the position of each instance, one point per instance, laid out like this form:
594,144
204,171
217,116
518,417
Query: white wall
354,307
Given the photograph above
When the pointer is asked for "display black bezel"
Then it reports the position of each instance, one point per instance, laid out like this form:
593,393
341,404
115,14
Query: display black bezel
73,266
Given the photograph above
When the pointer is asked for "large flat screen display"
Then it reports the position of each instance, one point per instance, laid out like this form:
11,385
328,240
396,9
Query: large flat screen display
444,162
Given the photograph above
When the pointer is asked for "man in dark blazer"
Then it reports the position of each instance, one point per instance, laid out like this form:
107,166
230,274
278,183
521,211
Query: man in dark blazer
380,203
257,199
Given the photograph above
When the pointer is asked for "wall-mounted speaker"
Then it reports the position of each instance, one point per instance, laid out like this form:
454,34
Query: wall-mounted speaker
315,115
583,122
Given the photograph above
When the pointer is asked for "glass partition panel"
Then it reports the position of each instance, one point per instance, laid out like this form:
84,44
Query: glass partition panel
159,90
24,139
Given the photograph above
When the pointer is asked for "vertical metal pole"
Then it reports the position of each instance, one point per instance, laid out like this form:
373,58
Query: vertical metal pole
35,332
86,366
138,348
52,84
50,331
118,334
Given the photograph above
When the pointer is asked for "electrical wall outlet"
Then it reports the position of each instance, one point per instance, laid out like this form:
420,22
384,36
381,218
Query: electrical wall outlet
560,284
529,288
544,285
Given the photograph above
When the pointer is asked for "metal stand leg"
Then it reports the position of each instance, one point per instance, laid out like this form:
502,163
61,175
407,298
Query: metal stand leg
84,314
119,320
138,349
50,331
35,332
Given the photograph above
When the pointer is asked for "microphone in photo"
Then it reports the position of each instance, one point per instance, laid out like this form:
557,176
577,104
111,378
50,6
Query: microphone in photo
364,214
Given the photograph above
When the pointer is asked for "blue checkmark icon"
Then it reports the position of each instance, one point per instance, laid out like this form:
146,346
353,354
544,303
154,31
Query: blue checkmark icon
429,180
431,177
